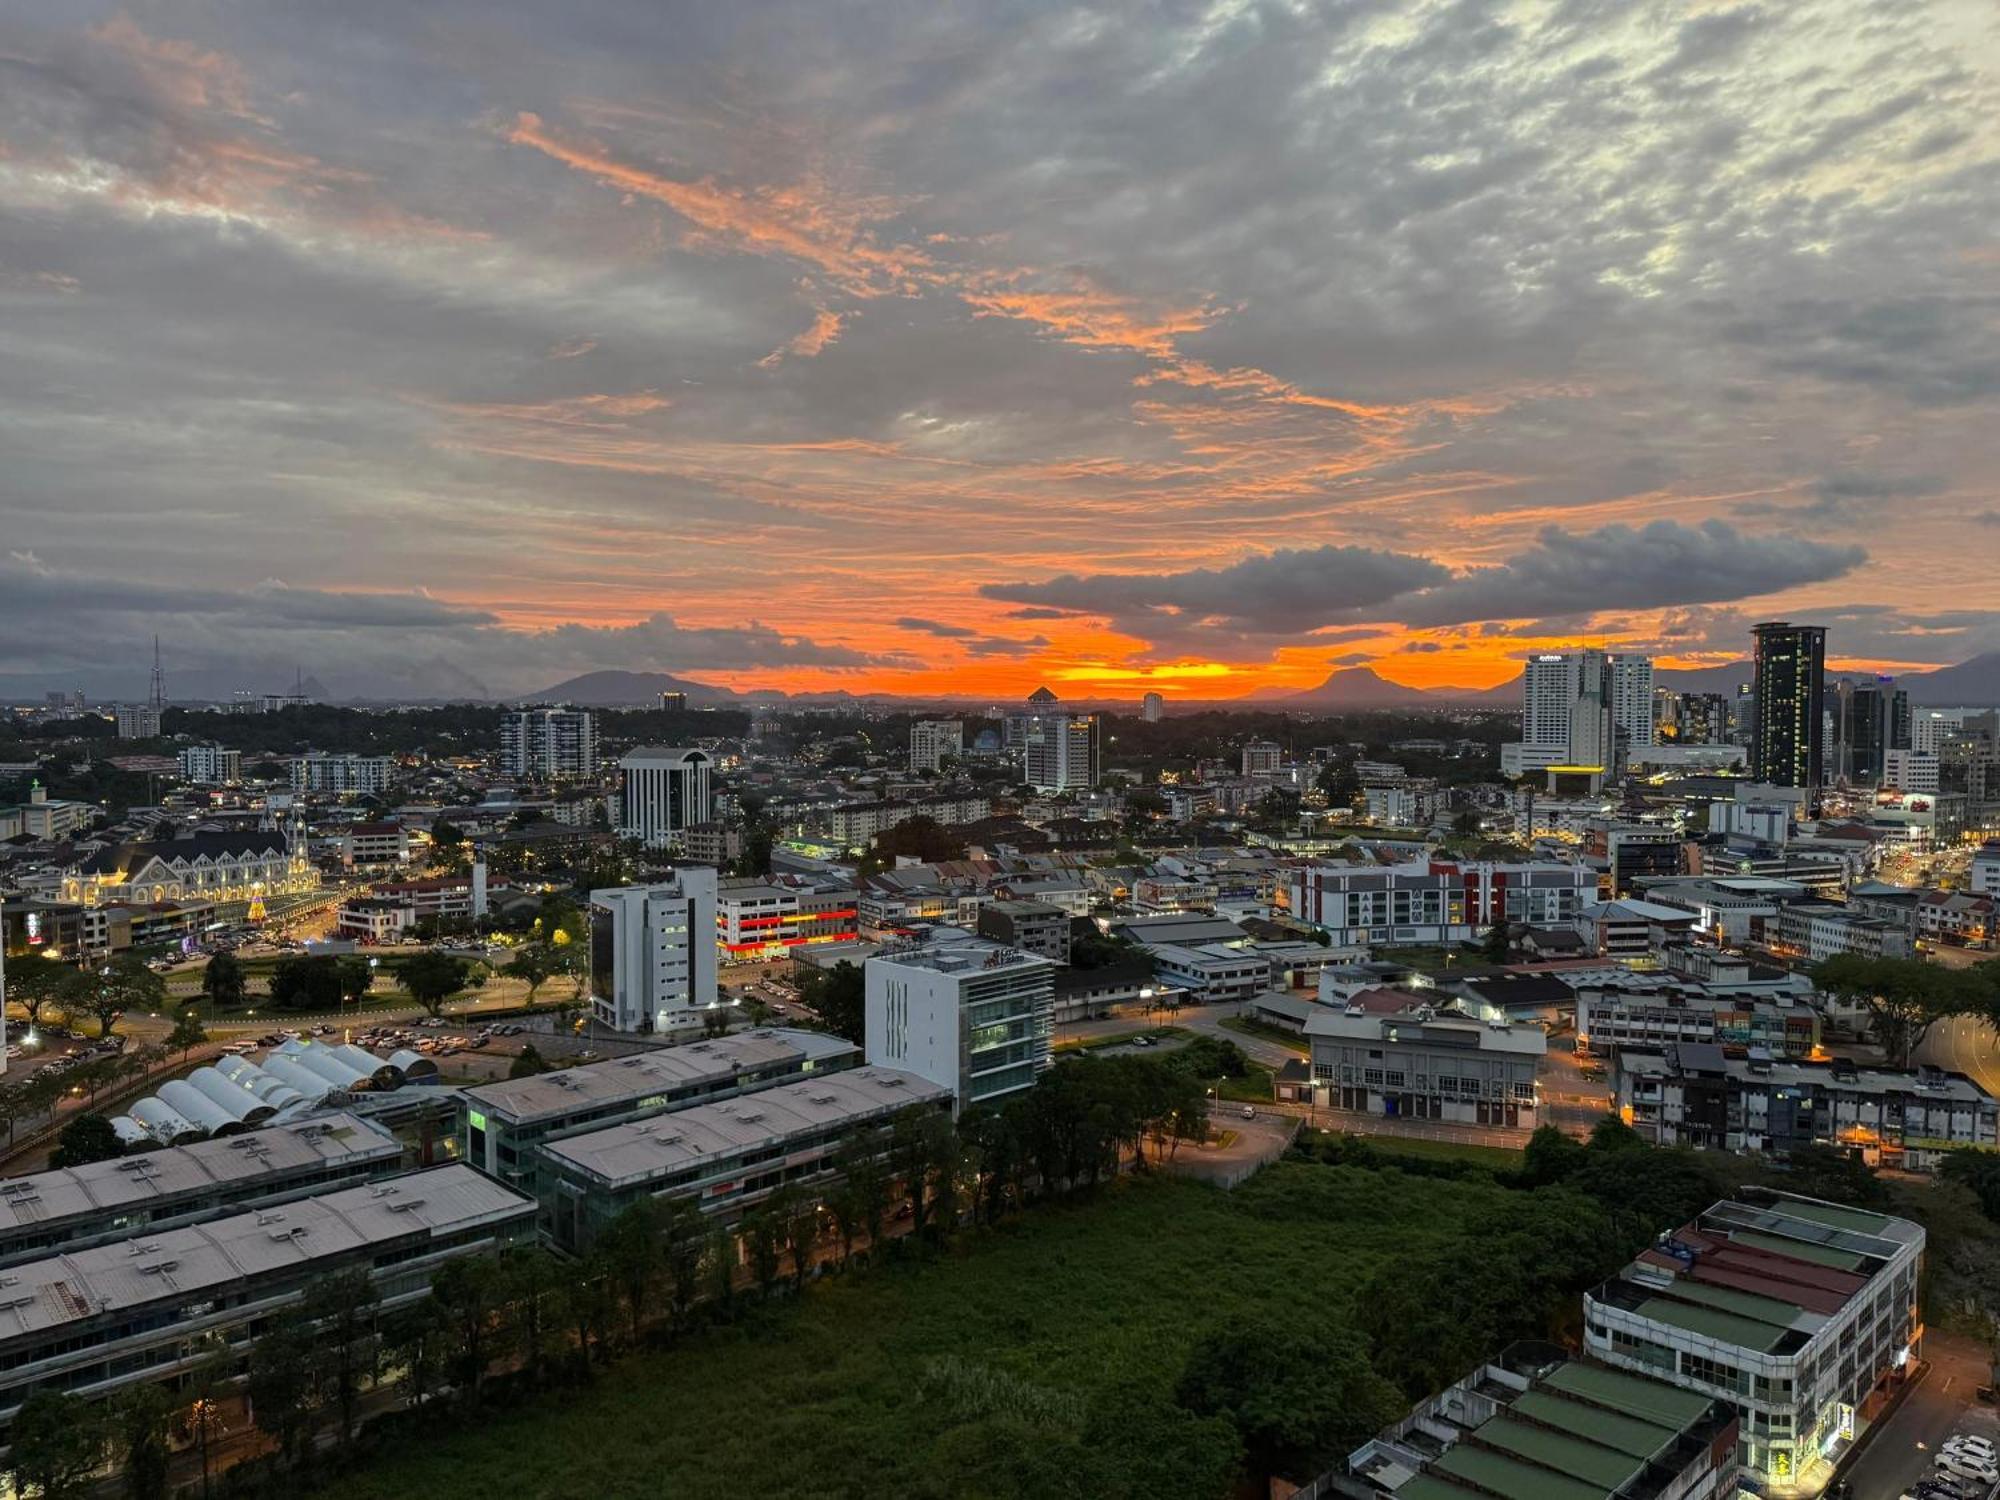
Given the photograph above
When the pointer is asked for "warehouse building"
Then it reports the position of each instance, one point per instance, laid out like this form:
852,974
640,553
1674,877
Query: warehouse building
73,1208
499,1123
1425,1064
96,1321
724,1156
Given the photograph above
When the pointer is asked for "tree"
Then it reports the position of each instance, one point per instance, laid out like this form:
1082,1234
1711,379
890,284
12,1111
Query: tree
279,1383
1339,785
87,1138
57,1440
1551,1157
466,1291
222,981
342,1309
683,1238
764,1241
418,1339
536,1288
123,985
38,984
433,978
864,1184
797,1214
533,966
356,979
310,982
630,1245
188,1033
837,999
141,1415
1903,997
1300,1392
529,1063
1495,947
1466,823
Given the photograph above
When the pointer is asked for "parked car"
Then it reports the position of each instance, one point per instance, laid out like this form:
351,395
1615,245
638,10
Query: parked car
1965,1442
1965,1466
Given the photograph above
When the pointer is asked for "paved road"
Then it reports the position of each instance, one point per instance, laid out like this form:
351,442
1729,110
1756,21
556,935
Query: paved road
1901,1451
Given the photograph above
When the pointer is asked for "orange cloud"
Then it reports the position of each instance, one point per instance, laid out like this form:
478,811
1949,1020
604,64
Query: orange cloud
1084,314
825,329
803,221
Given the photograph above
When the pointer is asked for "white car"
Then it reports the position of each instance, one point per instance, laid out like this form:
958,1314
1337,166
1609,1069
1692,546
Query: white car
1962,1465
1971,1445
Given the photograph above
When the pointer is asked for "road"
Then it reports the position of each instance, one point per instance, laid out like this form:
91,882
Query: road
1900,1453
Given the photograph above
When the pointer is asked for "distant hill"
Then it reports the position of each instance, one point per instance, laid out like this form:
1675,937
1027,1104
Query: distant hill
1972,684
1360,687
628,690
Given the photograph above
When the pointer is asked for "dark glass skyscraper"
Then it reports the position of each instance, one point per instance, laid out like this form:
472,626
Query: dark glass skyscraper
1785,749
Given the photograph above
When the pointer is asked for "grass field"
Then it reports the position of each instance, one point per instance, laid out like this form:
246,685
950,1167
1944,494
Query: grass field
1244,1027
1094,1303
1500,1158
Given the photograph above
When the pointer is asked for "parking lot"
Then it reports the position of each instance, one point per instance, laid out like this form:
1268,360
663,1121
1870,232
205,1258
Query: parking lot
1900,1457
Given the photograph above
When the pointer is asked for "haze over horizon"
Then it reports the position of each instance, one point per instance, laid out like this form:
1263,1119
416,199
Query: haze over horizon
461,349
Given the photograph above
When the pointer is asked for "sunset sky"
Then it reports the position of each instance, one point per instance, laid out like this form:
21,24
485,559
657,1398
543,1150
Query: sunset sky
455,348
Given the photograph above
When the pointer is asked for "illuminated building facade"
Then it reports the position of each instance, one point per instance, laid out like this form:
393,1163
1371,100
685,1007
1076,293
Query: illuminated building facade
1785,742
216,867
764,919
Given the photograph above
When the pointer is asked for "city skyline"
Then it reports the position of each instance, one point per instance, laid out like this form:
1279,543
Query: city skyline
462,352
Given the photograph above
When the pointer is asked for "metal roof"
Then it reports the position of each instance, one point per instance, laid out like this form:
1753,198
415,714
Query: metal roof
662,1070
638,1150
185,1171
176,1265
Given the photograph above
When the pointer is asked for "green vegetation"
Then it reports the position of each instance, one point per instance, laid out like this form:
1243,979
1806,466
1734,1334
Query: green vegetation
1905,997
1244,1026
1395,1150
1040,1358
835,997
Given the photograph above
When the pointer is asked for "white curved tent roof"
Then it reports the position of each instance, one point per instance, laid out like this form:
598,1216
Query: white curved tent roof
166,1125
190,1103
233,1097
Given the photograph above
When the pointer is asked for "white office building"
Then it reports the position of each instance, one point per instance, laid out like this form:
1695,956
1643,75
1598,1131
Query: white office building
1911,771
665,793
974,1017
548,744
1060,752
211,765
337,774
932,741
138,721
1578,707
652,952
1152,708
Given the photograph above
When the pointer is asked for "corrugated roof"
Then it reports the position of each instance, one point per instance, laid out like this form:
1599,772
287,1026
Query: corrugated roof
1633,1395
1510,1478
1727,1328
1578,1457
1627,1434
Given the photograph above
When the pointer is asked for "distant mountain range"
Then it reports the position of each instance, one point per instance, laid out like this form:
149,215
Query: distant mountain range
1971,682
643,689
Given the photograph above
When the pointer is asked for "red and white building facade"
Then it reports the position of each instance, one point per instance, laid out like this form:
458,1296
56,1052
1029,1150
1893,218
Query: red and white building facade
766,919
1436,901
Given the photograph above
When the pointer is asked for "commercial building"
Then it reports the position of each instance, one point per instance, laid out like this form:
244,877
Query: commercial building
1032,926
500,1124
211,765
1262,757
1814,930
1785,741
1426,1064
1631,928
1060,752
759,919
1697,718
335,775
1152,708
1983,879
147,1309
933,741
725,1157
974,1017
196,866
1436,901
373,919
138,721
1654,1010
374,846
1803,1315
1534,1425
1870,720
652,952
1694,1094
664,793
72,1208
548,744
1917,771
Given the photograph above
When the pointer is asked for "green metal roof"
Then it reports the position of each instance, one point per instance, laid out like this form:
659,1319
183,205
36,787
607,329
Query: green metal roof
1604,1468
1633,1395
1627,1434
1819,1255
1511,1479
1745,1333
1431,1487
1840,1218
1744,1304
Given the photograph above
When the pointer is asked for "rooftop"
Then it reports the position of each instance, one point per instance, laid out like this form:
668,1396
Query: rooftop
176,1265
1434,1028
155,1176
571,1090
963,958
642,1149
